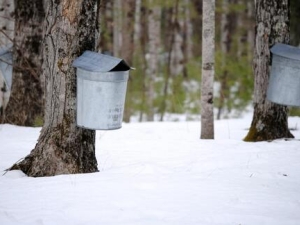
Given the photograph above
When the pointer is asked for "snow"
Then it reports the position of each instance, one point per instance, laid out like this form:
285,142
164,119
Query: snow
159,174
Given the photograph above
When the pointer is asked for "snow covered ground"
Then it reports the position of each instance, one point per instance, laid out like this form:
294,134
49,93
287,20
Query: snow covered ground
160,174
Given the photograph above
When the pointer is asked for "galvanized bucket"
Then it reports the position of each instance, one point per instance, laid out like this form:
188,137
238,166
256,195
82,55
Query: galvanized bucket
101,91
284,83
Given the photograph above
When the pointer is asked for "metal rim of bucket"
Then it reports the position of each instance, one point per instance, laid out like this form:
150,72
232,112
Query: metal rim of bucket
115,76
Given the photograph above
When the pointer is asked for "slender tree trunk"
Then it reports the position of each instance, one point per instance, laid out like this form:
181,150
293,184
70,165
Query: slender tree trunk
153,52
137,22
176,65
139,61
188,31
127,27
187,37
208,61
295,19
117,41
175,56
142,61
241,30
25,106
62,147
250,30
105,44
272,26
127,49
225,41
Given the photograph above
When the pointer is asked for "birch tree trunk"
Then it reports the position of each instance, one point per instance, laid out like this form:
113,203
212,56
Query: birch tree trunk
272,26
25,106
152,58
6,22
62,147
208,61
7,26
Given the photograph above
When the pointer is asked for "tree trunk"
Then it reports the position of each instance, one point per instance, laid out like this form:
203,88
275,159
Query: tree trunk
295,19
7,26
105,44
153,52
137,22
140,58
6,22
172,50
117,36
250,31
25,106
187,36
208,61
188,32
127,48
62,147
225,43
176,54
272,26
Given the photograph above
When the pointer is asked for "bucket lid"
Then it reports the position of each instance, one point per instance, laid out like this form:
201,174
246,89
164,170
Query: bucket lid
286,51
97,62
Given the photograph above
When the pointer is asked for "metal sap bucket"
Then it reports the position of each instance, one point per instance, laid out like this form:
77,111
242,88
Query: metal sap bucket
101,91
6,64
284,83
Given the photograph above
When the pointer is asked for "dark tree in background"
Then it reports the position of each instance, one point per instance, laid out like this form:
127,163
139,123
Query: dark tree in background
295,23
25,106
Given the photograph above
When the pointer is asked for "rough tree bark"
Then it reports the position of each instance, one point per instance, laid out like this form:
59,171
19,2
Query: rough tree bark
208,61
272,25
25,105
62,147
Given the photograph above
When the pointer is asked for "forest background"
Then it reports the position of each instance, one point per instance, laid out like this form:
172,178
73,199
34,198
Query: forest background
164,45
161,39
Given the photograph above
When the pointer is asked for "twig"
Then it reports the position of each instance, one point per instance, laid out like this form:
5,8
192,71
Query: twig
10,168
